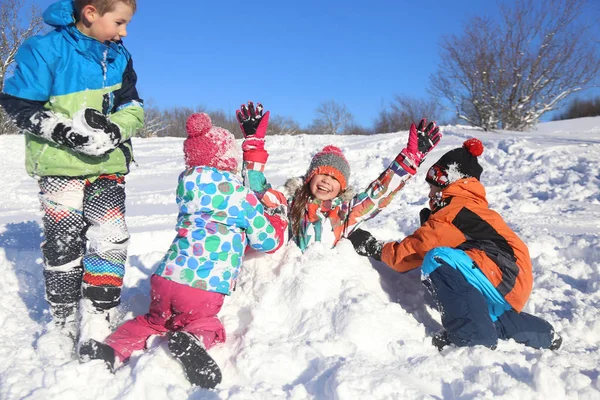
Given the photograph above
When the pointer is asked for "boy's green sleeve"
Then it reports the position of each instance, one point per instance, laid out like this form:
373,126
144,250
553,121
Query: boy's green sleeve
130,119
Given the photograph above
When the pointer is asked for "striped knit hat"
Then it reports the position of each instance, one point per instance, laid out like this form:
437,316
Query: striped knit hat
330,161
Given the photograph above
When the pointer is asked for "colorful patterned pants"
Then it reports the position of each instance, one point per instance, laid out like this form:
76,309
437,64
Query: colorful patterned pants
86,240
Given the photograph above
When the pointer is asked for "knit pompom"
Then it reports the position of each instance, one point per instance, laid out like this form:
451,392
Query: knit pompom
332,149
198,124
208,145
474,146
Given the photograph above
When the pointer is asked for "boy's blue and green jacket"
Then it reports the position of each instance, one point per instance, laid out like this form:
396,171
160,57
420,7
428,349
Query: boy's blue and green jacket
66,71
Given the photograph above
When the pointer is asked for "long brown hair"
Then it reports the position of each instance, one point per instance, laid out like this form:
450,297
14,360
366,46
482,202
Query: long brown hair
298,209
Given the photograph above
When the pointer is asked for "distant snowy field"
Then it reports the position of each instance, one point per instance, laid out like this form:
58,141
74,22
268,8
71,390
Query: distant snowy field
329,324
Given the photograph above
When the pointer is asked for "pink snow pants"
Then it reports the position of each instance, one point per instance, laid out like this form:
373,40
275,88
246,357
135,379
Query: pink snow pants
174,307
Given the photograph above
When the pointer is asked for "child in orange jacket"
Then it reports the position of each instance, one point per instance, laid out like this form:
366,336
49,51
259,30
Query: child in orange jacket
477,269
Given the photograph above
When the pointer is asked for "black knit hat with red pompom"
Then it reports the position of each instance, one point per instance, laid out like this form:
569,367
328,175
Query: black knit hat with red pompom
457,164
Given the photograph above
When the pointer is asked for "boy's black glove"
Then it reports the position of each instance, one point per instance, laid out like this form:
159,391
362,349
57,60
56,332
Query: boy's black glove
365,244
90,132
424,215
64,134
96,120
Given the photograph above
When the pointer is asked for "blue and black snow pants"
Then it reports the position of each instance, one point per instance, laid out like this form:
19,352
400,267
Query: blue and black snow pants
86,240
472,313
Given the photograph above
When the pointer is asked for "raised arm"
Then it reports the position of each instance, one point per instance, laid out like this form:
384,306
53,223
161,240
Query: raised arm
254,126
266,232
379,194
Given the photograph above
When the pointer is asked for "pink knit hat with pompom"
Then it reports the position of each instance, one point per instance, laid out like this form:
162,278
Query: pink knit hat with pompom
209,145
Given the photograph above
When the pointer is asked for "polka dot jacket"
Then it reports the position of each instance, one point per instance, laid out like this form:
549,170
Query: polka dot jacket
218,218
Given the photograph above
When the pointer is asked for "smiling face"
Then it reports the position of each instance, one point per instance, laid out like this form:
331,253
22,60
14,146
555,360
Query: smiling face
324,187
111,26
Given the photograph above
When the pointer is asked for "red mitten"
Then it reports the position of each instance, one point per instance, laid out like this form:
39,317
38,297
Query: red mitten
421,140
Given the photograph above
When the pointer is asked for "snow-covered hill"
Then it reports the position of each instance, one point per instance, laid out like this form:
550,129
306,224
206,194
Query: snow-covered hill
329,324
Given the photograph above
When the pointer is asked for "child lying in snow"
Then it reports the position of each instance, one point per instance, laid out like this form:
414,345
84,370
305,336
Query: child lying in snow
321,209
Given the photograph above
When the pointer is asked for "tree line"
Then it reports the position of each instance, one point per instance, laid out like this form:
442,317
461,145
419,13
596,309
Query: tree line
502,73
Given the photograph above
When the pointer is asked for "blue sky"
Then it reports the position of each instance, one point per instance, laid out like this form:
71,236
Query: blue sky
291,56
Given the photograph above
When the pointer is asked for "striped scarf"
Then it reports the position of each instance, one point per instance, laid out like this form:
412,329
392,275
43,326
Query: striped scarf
336,210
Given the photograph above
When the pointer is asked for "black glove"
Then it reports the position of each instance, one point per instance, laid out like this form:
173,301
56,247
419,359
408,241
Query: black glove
59,130
96,120
65,135
250,118
424,215
365,244
95,135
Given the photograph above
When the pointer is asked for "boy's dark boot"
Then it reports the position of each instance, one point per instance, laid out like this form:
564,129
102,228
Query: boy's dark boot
95,311
200,368
63,291
95,350
440,339
528,329
556,342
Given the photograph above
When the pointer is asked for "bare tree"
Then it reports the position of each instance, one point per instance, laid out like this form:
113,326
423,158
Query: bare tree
279,125
13,32
332,118
7,127
227,121
581,108
405,110
356,129
509,73
176,118
155,122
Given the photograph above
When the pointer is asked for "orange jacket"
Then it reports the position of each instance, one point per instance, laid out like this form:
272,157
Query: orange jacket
465,222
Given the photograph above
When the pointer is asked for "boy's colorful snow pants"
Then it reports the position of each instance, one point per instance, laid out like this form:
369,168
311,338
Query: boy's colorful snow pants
174,307
470,314
86,240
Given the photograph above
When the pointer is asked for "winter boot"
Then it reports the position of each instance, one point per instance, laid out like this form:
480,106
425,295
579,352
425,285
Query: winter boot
94,323
68,325
63,291
200,368
95,311
94,350
440,339
556,341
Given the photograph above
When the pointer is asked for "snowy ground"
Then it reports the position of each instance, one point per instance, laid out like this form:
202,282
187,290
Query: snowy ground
329,324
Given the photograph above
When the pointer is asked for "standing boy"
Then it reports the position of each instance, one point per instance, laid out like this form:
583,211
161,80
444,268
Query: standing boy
73,94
